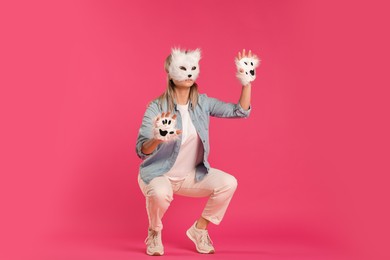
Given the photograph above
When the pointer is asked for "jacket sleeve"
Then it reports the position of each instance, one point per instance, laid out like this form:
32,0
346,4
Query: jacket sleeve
146,130
218,108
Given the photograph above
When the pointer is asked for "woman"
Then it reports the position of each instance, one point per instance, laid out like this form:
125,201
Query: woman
173,143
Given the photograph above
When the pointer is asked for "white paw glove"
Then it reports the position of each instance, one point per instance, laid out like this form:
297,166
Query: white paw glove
246,67
165,127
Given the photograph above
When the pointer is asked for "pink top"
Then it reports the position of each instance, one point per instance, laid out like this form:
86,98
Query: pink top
191,149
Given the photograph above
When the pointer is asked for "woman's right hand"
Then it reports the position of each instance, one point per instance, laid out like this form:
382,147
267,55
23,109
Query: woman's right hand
165,127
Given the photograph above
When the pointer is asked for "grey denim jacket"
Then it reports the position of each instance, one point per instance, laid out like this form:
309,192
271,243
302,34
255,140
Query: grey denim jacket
163,157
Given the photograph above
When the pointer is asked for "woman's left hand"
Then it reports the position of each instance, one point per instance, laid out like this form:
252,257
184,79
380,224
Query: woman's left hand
246,64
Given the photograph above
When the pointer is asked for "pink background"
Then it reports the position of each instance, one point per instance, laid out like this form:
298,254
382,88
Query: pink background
311,161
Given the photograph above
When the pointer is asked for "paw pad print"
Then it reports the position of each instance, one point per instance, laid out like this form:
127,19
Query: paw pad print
165,127
246,69
165,132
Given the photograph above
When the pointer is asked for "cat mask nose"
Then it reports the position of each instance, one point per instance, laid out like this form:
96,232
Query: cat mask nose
189,75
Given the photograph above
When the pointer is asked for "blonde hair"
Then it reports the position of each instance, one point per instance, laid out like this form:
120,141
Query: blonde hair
169,94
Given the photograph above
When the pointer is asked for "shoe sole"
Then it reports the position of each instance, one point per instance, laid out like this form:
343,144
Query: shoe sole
197,249
155,254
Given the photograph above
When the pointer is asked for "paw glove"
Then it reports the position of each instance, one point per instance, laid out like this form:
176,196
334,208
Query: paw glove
246,69
165,128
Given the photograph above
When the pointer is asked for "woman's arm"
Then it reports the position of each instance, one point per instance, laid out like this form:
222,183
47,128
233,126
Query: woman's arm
145,134
245,98
220,108
246,64
150,145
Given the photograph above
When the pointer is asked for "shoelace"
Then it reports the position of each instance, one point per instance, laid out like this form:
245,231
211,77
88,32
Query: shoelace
152,239
205,238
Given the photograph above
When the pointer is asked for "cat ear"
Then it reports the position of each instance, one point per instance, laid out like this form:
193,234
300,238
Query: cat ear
196,54
175,51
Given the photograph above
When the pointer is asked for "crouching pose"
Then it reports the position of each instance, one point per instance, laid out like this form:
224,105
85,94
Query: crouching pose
173,143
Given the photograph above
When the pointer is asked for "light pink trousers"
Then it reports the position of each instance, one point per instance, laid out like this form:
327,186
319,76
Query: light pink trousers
217,185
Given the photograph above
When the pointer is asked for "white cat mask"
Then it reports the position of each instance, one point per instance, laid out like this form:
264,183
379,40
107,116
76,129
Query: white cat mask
184,64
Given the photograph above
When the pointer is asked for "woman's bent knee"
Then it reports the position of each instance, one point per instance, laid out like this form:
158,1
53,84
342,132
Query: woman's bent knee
226,180
230,181
234,182
160,195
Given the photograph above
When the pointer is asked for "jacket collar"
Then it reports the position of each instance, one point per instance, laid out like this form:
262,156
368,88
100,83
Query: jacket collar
190,105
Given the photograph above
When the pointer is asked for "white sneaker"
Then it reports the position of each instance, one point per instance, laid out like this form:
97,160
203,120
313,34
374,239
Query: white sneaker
201,239
153,243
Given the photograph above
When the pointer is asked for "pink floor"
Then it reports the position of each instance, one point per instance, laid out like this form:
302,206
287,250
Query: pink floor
228,247
127,249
